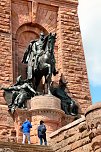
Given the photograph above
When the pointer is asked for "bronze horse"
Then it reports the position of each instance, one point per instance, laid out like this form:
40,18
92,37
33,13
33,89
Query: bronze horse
46,62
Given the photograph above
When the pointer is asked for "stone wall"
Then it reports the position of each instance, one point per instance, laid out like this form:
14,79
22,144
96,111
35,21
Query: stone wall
71,138
82,135
7,130
6,75
72,55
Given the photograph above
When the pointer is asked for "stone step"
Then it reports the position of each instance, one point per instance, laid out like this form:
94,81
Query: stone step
17,147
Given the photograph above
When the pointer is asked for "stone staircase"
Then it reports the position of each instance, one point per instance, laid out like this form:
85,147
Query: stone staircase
16,147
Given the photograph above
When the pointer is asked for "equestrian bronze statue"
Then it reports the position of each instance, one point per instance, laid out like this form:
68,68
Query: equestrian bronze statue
40,59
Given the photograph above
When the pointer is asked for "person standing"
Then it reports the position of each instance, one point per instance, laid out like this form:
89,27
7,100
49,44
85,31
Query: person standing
42,133
26,126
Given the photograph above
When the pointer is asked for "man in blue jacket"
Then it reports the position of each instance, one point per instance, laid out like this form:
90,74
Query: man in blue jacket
26,131
42,133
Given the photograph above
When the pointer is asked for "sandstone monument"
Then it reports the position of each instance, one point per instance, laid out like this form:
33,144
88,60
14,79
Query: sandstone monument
21,22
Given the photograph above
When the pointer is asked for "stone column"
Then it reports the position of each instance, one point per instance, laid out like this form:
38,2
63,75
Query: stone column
93,119
71,60
6,75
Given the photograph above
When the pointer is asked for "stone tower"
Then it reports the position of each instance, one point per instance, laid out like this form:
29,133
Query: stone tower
21,22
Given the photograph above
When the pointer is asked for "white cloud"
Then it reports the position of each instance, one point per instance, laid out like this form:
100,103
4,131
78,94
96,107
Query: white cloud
90,23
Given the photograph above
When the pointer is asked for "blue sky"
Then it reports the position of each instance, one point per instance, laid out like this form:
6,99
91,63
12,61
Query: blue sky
89,12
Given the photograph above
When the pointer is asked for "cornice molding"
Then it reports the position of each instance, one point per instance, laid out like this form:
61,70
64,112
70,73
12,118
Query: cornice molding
57,3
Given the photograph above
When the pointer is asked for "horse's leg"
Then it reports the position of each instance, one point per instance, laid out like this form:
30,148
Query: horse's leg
36,80
44,90
49,78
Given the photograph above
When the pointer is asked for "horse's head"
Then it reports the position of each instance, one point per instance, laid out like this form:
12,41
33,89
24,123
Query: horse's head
51,42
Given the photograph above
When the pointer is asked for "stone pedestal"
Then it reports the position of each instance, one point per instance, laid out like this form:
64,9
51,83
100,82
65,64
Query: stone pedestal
46,108
93,119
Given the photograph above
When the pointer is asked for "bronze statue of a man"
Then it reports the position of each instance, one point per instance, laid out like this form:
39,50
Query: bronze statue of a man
37,49
32,54
21,91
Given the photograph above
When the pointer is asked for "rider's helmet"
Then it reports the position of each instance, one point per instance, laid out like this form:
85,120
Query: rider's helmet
42,36
19,78
42,33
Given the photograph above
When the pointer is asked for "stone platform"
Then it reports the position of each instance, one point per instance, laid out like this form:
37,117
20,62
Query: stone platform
16,147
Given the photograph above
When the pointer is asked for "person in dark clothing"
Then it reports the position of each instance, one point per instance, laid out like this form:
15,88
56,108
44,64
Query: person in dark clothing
26,131
42,133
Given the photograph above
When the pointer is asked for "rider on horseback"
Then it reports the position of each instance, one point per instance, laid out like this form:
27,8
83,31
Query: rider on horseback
37,49
32,54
